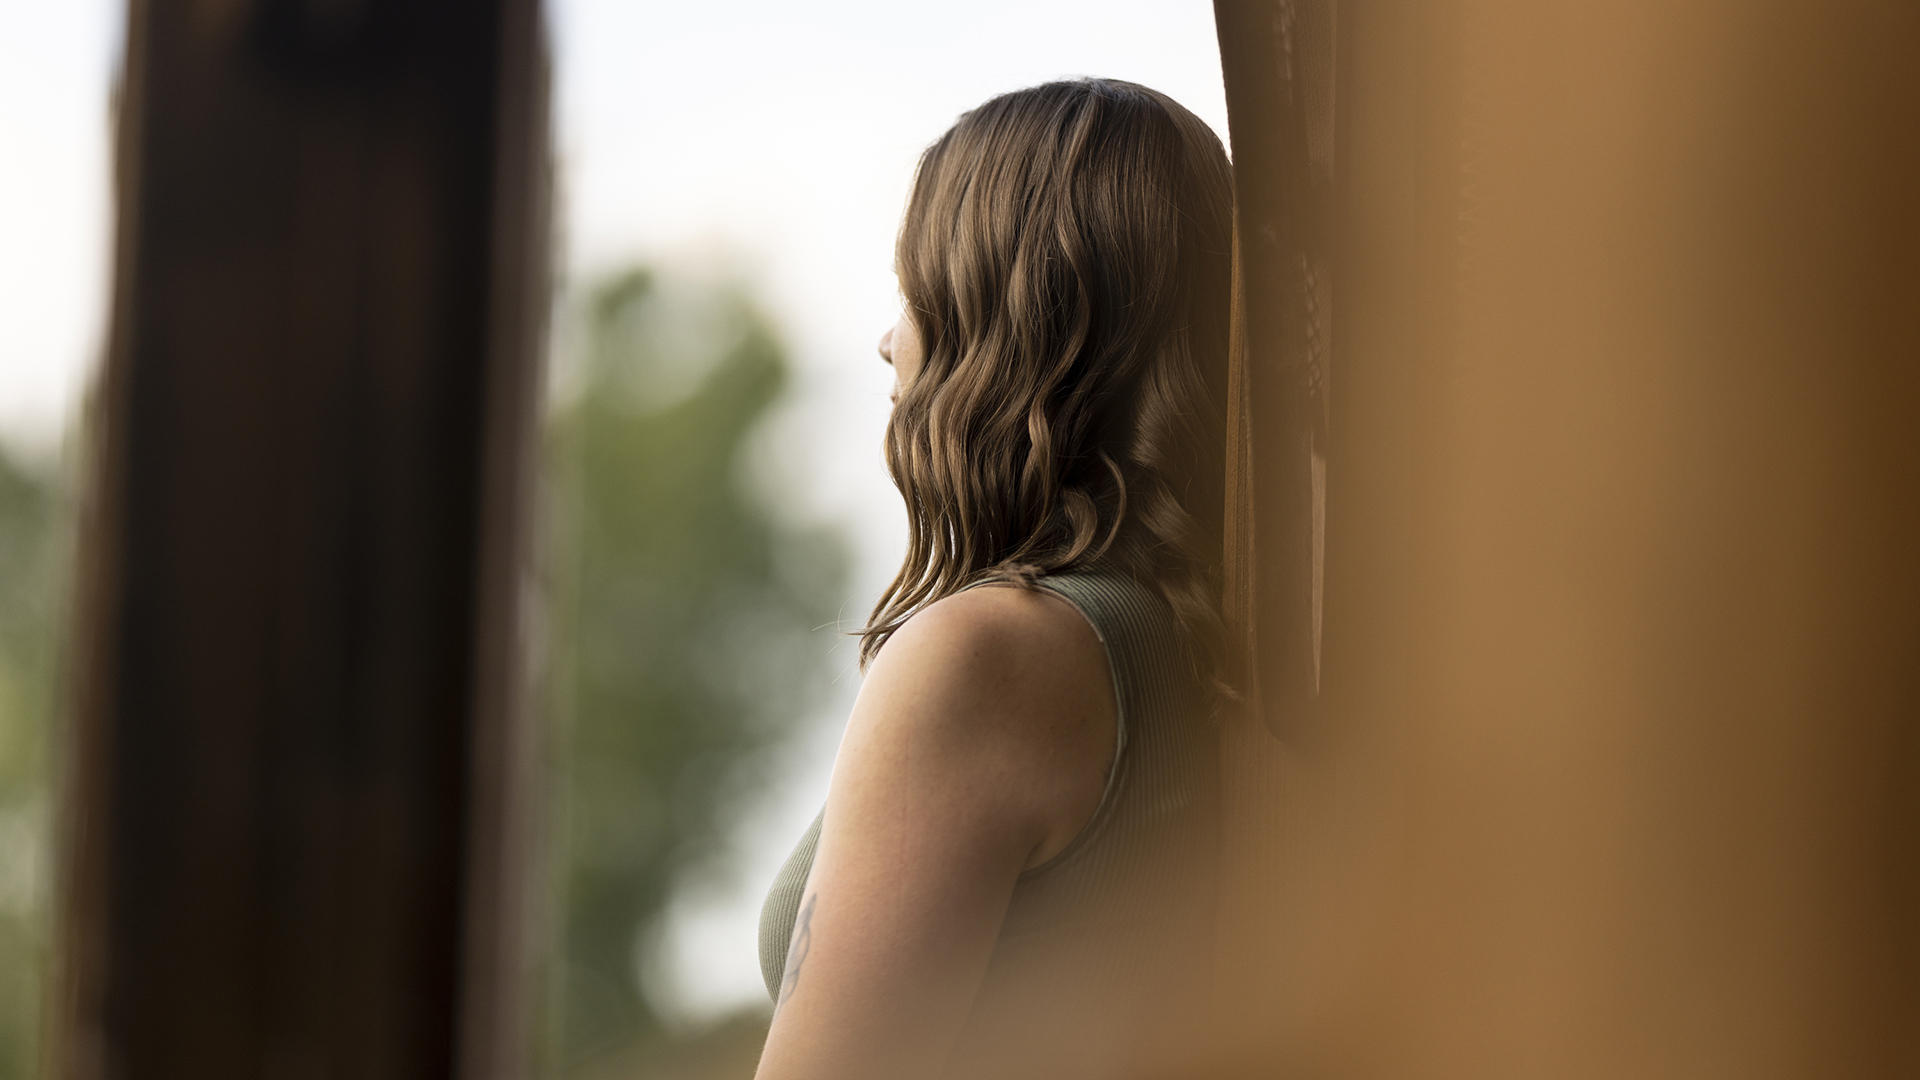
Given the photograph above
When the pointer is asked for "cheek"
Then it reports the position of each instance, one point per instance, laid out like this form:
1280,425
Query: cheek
907,356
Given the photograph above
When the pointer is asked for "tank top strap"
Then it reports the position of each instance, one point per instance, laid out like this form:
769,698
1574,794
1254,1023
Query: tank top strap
1132,624
1144,647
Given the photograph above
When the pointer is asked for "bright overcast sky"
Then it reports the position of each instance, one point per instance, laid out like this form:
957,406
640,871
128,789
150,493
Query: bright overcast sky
56,65
774,138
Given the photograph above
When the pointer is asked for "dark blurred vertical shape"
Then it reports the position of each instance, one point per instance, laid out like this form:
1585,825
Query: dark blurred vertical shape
1281,66
1278,59
296,802
1622,643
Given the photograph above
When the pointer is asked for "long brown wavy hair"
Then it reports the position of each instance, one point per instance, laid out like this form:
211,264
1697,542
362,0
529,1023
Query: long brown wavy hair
1066,260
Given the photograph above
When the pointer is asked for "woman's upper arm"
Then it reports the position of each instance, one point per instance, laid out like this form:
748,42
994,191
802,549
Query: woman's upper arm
979,746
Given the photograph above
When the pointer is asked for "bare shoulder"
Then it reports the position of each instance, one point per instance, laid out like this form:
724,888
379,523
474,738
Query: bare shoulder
1015,649
997,617
979,747
1006,691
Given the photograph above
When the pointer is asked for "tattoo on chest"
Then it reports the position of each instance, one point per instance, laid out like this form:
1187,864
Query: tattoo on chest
798,950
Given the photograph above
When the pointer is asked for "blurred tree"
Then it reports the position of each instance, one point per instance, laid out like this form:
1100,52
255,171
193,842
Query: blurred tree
690,626
33,525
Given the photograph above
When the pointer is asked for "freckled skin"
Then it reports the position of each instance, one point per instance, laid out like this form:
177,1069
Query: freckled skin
979,747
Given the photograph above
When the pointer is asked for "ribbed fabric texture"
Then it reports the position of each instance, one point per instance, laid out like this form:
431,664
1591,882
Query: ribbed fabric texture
1104,924
782,907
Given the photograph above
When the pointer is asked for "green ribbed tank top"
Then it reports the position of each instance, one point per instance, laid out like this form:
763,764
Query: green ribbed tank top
1118,917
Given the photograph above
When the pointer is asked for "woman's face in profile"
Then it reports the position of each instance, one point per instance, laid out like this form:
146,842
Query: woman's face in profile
900,347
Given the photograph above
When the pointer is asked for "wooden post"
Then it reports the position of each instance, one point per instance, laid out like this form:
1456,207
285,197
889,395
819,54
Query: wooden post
1279,61
1617,750
296,796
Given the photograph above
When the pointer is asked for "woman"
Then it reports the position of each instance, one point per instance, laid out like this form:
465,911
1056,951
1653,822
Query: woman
1011,876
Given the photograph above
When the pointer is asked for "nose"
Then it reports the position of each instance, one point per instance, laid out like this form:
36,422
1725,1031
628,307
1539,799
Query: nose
886,345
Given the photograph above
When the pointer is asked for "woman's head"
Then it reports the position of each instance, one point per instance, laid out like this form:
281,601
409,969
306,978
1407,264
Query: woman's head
1065,265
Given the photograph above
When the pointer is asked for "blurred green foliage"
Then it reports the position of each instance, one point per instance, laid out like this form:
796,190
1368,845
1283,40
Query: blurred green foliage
690,628
34,527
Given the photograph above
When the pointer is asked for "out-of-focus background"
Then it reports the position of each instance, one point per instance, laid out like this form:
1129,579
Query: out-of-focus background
716,509
57,64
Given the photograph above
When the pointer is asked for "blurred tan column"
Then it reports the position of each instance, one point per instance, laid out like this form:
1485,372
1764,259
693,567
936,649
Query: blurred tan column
1615,764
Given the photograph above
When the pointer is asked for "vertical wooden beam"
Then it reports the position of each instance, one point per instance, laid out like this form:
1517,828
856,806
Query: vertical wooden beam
1281,66
1278,59
504,812
298,759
